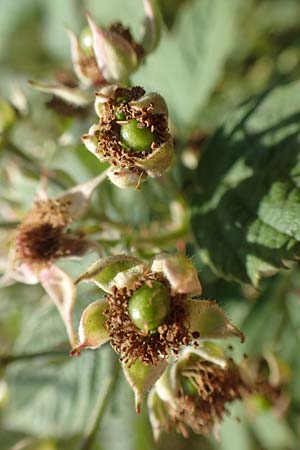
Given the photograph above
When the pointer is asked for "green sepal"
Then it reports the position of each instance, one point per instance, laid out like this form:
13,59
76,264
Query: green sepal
141,378
124,178
208,319
156,101
158,414
180,272
117,270
92,330
74,96
158,161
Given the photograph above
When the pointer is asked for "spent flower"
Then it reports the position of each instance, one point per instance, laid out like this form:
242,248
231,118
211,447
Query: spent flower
148,314
132,134
43,237
194,393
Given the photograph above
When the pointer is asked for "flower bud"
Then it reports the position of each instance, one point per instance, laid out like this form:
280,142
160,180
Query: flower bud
86,41
116,53
84,63
132,134
149,306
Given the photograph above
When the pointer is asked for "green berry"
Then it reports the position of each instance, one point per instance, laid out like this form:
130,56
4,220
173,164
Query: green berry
149,306
86,41
120,115
188,387
137,139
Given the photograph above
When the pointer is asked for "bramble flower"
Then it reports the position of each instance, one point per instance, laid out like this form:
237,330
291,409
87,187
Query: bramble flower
105,55
44,236
132,134
193,394
148,314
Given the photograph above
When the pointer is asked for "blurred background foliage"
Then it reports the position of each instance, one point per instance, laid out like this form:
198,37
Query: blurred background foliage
214,55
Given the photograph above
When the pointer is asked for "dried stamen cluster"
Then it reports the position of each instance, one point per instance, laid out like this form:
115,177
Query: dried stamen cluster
214,387
125,33
42,236
116,112
133,343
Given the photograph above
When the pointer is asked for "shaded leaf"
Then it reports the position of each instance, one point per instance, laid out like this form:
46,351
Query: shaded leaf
52,396
245,202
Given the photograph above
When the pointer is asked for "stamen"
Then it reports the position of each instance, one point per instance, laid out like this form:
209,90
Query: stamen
42,236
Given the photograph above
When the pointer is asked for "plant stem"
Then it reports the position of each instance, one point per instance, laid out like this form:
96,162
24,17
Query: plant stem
9,224
100,407
8,359
33,166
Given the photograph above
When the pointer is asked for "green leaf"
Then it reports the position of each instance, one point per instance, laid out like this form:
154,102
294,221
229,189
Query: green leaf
189,61
246,196
52,396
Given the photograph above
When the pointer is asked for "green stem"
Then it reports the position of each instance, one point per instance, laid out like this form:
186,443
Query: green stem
100,407
161,239
33,166
5,360
10,224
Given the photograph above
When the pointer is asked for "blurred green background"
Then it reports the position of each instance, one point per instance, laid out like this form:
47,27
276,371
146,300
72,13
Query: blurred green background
214,55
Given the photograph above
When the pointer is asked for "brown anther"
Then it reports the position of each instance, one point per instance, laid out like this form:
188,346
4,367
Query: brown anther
42,235
216,387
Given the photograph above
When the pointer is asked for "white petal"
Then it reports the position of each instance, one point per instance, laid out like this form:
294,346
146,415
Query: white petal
61,289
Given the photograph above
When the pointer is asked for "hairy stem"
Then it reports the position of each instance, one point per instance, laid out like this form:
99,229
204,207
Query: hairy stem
100,407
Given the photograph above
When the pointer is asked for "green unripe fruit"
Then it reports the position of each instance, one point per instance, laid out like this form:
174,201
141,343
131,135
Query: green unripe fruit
188,387
137,139
86,41
120,115
149,306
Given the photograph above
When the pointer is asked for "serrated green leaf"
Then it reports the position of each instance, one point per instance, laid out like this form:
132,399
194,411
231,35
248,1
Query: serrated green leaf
245,203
